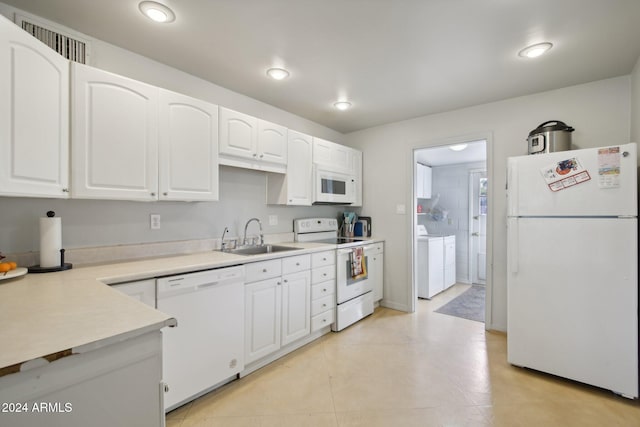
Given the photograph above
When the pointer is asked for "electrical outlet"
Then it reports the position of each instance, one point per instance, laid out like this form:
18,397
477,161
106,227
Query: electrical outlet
273,219
154,221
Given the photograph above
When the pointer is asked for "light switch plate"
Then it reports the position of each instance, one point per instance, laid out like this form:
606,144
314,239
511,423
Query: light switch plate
401,209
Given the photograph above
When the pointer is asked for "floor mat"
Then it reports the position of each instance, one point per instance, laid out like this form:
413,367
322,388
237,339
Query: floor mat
468,305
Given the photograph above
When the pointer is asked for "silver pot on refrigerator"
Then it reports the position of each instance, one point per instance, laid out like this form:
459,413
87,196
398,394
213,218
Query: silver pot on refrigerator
550,136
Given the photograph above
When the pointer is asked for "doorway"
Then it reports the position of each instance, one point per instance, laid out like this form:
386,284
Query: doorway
453,203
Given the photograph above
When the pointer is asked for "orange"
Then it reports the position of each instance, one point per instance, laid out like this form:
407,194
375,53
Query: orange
13,265
4,267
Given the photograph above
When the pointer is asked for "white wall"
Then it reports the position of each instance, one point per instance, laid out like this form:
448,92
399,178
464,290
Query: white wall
100,223
635,103
599,111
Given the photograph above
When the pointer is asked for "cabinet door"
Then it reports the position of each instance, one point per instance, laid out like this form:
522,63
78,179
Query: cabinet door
426,182
188,148
115,136
238,134
263,307
34,116
299,169
296,306
272,142
420,181
333,157
356,168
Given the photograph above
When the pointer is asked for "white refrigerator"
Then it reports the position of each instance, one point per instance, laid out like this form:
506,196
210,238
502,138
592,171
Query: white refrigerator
572,265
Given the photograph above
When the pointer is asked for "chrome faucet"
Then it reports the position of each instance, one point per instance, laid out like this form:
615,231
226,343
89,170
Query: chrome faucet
244,241
223,245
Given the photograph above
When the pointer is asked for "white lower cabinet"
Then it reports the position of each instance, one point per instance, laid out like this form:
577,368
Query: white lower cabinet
277,305
375,259
115,385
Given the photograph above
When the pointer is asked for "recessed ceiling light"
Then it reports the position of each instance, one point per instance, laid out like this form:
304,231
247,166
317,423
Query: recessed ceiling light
535,50
342,105
157,12
458,147
277,73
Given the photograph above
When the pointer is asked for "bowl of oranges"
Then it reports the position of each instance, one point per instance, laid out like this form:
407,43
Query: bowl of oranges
10,269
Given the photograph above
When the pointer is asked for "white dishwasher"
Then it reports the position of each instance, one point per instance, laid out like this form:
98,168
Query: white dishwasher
207,346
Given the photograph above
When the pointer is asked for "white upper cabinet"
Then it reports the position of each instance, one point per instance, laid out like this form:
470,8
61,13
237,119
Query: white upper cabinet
34,116
114,136
356,161
423,181
238,134
248,142
188,148
272,142
295,187
331,156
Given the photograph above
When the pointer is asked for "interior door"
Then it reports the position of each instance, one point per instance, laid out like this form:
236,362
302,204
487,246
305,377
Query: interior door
478,227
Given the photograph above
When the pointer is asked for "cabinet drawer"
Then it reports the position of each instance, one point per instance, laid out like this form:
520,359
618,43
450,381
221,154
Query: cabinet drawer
323,274
256,271
296,263
322,259
323,289
322,320
323,304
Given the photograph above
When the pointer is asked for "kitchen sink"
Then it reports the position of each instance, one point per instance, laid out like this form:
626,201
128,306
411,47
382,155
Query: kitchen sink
264,249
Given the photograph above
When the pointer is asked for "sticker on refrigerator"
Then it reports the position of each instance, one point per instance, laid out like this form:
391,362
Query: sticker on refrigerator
565,174
609,167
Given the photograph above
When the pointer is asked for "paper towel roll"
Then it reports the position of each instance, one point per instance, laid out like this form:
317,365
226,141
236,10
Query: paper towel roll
50,242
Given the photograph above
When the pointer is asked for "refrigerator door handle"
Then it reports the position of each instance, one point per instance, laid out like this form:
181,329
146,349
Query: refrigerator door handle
512,245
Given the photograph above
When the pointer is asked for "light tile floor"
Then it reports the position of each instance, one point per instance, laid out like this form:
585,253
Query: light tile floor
399,369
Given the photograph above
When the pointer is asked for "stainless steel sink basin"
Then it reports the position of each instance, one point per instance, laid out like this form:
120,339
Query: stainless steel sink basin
264,249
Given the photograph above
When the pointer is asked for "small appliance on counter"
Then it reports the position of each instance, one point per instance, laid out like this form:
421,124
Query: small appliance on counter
362,227
550,137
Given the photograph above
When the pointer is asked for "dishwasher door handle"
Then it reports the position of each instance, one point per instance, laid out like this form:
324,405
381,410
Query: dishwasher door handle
207,285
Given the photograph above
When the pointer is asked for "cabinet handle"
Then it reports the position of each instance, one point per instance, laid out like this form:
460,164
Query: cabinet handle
261,155
324,305
324,290
65,190
165,194
255,155
297,264
324,274
153,194
166,388
324,320
264,270
279,283
286,281
324,259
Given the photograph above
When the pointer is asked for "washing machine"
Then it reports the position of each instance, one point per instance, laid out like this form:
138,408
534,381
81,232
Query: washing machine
429,263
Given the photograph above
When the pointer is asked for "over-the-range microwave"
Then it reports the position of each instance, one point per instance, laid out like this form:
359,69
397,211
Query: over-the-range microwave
331,187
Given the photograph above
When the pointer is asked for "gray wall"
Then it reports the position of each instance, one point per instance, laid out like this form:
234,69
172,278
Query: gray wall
600,112
90,223
635,103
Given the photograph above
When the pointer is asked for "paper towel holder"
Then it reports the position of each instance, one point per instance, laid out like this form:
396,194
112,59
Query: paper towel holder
63,266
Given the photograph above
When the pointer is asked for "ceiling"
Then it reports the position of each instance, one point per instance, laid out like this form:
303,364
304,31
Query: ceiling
393,59
475,151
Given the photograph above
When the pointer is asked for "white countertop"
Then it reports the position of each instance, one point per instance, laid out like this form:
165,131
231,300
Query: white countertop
44,314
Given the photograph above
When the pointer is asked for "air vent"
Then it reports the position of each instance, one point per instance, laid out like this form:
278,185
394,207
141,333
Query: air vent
67,46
